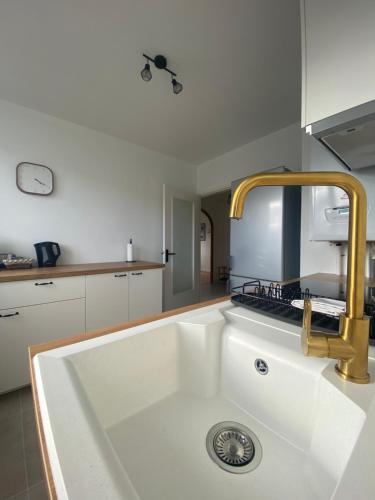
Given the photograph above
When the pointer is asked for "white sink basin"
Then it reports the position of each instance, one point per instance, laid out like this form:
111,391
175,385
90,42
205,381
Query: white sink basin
126,415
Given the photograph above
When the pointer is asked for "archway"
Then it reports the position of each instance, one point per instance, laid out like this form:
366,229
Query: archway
207,247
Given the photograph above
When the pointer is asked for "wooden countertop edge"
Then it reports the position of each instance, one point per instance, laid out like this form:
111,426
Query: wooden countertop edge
36,349
33,273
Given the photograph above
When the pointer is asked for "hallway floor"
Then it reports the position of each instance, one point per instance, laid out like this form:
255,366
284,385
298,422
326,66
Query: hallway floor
21,474
209,290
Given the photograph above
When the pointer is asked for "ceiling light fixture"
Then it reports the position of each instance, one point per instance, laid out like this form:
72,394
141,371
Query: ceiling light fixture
146,72
177,86
160,63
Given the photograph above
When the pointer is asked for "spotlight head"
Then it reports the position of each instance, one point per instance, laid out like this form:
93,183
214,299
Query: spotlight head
177,86
146,73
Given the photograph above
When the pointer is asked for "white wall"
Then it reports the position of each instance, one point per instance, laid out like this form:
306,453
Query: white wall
288,147
281,148
107,190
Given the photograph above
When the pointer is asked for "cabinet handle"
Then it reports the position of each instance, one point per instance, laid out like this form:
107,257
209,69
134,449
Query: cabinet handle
46,283
120,275
137,274
9,315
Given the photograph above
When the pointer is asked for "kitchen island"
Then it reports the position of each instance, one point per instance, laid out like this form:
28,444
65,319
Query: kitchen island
130,392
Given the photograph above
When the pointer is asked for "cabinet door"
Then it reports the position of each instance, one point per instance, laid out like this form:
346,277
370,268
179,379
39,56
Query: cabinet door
145,293
338,50
106,300
25,326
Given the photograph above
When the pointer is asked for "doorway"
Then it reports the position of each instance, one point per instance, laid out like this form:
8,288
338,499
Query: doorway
214,245
180,248
206,239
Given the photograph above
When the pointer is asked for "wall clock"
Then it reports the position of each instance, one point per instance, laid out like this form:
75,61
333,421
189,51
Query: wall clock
33,178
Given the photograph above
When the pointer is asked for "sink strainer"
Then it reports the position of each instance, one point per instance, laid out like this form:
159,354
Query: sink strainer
233,447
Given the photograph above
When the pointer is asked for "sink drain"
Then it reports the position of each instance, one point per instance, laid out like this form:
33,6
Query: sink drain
233,447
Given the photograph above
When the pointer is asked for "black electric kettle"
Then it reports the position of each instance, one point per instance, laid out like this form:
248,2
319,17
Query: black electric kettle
47,253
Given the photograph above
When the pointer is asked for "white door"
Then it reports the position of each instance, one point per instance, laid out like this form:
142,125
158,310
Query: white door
181,248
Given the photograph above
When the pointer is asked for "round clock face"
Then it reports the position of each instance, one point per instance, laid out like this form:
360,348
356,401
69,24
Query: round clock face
34,179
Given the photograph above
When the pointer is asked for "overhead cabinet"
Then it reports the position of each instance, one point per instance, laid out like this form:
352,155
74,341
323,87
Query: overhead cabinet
338,53
36,311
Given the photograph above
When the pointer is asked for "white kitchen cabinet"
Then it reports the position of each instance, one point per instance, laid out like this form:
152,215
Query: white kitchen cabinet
36,311
115,298
338,53
145,293
24,326
107,301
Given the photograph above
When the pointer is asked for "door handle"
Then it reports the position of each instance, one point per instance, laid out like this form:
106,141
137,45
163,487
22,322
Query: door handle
9,315
120,275
137,274
46,283
167,254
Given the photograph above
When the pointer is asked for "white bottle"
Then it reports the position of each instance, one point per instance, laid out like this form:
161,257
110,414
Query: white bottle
129,251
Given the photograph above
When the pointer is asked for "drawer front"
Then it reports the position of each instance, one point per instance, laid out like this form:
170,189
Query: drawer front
145,293
42,291
25,326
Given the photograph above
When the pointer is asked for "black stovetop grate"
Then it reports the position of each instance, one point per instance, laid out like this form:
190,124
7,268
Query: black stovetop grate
275,300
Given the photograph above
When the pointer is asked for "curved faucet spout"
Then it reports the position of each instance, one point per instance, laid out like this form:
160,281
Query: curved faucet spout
351,367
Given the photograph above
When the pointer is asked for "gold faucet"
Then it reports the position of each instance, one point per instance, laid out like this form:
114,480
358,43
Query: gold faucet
350,347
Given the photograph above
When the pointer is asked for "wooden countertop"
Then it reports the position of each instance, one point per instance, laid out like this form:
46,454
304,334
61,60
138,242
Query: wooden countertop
35,273
36,349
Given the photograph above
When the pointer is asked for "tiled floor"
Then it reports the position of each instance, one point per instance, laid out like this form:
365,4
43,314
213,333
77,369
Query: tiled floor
21,475
210,291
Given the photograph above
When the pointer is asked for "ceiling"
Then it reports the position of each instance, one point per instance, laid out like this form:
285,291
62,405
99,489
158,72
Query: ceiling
79,60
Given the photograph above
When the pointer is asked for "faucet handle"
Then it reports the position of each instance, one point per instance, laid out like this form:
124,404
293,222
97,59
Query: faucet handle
327,345
313,343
